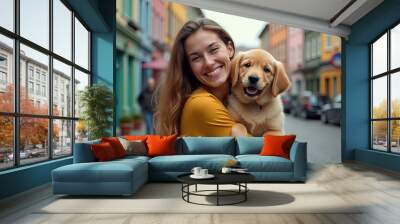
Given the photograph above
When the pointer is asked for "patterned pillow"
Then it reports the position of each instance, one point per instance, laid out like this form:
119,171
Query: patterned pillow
136,147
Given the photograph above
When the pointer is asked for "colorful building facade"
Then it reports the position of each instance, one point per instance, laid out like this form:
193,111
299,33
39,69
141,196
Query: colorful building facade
134,46
330,70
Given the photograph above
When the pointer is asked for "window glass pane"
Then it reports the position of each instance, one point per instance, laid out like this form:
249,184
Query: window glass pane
7,14
379,135
379,97
34,97
81,81
395,94
6,142
33,139
81,131
6,74
62,29
81,45
35,21
379,55
62,89
395,47
62,138
395,135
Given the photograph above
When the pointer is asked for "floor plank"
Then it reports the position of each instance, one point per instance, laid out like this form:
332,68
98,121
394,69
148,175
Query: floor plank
376,189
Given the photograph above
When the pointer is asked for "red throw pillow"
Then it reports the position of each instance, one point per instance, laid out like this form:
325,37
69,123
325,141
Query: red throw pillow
277,145
116,145
161,145
103,151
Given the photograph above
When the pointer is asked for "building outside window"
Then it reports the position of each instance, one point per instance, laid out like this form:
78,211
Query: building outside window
34,75
384,92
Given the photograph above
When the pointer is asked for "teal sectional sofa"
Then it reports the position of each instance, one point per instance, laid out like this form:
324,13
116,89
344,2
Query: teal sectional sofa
125,176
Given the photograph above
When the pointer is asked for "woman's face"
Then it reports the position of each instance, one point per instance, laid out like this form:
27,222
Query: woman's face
209,57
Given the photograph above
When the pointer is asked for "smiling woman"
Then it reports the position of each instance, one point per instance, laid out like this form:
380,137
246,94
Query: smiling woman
190,98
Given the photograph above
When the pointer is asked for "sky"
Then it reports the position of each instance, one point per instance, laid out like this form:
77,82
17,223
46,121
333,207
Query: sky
235,25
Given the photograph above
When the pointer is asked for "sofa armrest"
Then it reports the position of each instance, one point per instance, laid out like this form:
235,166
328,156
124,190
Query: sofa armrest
298,155
83,152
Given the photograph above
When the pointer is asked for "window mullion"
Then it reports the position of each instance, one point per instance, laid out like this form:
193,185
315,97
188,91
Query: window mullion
389,93
16,84
73,82
50,81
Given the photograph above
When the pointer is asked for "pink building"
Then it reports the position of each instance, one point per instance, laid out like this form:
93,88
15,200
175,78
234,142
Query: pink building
158,16
295,42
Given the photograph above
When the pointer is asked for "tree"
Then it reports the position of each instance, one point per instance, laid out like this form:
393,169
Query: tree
33,130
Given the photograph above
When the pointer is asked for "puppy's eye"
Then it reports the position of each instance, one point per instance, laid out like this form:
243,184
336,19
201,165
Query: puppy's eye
247,65
266,70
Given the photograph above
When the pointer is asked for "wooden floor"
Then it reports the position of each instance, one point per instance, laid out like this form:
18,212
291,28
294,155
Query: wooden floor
378,188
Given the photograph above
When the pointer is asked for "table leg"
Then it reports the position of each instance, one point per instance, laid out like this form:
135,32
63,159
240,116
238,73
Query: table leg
217,194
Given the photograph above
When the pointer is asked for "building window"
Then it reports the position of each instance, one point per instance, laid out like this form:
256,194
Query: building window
328,44
30,87
3,78
385,96
55,129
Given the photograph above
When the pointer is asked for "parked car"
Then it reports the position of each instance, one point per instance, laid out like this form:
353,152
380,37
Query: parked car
306,105
331,112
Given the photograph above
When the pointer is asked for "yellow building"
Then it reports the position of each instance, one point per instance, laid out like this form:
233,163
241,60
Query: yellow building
330,71
176,17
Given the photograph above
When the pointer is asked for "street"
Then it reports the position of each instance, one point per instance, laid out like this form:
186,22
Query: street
323,141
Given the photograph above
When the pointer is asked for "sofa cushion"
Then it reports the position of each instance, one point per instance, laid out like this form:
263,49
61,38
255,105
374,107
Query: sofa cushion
257,163
185,163
206,145
249,145
111,171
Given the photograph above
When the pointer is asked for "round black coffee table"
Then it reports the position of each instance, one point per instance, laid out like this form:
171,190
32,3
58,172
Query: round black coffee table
238,179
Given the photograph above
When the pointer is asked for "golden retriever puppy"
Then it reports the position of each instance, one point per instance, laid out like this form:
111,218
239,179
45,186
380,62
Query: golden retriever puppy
257,80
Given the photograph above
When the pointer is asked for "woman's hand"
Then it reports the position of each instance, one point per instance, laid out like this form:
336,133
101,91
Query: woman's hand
239,130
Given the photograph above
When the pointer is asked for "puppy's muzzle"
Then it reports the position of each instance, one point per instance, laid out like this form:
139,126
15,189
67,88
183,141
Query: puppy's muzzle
252,90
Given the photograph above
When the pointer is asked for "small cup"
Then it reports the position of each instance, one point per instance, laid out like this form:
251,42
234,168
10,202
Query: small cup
203,172
226,170
196,170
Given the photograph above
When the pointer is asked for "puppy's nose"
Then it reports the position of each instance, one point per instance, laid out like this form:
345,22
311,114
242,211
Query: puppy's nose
253,79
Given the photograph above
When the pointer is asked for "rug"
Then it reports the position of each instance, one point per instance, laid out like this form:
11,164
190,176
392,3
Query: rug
167,198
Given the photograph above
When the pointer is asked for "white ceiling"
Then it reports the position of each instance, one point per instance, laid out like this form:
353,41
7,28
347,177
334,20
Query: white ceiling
316,15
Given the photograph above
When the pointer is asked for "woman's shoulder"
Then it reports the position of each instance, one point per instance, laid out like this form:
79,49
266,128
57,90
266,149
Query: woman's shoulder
200,97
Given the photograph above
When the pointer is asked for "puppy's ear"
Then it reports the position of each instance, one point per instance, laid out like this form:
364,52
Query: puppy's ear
281,81
235,68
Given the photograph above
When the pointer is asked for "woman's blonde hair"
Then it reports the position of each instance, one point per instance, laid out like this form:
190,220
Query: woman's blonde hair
179,82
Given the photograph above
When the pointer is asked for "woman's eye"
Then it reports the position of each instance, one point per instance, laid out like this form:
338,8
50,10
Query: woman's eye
214,50
266,70
195,59
247,64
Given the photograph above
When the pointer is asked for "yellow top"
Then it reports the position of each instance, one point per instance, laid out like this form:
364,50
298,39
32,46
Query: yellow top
205,115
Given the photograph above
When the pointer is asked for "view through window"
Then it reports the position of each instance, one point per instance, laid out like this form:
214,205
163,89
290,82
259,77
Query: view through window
385,79
44,64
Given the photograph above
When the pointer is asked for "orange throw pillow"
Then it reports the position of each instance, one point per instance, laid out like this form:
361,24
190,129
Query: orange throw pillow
135,137
161,145
116,145
277,145
103,152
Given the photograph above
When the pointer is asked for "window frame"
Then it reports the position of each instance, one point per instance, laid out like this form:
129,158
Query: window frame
16,114
388,74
